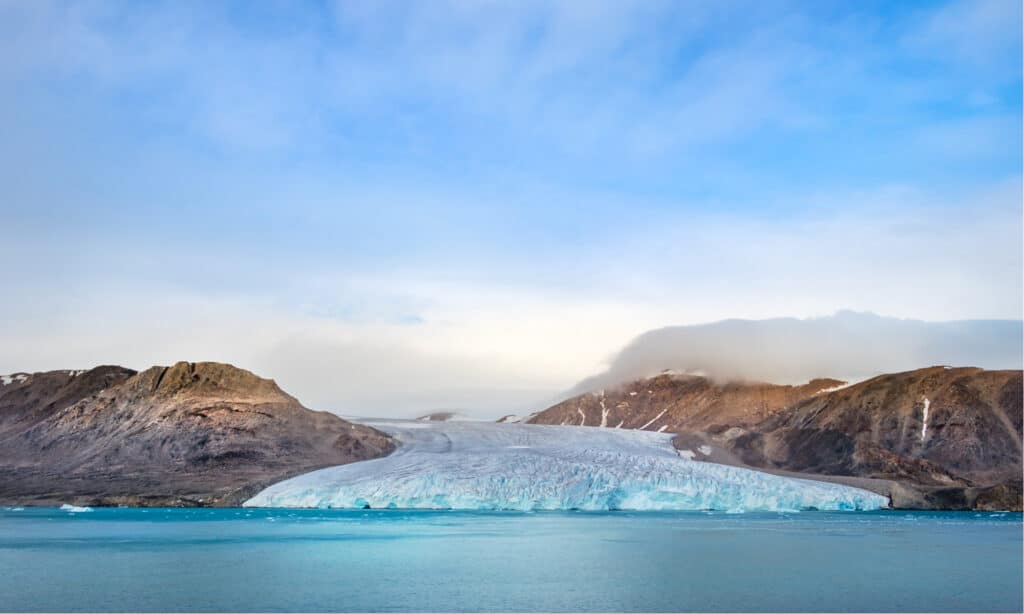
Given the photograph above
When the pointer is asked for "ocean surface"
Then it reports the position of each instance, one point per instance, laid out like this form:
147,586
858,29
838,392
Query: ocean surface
391,560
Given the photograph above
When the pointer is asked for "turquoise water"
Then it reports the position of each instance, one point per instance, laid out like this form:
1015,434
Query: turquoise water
317,560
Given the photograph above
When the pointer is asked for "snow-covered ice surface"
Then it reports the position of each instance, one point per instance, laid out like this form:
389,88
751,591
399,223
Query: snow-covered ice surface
480,465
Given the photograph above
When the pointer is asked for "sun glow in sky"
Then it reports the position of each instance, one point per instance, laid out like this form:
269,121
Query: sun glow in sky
394,207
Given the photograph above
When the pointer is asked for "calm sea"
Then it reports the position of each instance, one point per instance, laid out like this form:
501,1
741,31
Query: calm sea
318,560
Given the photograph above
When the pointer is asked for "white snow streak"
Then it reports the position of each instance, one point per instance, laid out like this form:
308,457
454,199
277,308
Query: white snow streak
653,420
583,417
604,412
924,421
705,450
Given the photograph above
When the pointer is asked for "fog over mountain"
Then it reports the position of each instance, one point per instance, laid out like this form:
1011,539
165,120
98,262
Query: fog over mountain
847,345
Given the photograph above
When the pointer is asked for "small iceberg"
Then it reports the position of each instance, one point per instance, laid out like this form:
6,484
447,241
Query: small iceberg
74,508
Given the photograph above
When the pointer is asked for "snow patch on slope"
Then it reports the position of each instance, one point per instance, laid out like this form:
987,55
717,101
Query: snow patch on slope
14,378
654,419
834,388
924,420
467,465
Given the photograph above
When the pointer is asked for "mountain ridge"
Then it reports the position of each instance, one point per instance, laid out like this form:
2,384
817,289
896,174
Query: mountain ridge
186,434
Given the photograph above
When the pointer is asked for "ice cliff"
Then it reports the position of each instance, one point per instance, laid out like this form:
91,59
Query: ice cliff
468,465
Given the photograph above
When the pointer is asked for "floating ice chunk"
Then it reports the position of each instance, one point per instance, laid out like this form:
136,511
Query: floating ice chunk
468,465
74,508
687,454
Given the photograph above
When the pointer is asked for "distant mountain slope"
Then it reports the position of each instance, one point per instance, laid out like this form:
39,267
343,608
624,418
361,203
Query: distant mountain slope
966,451
443,416
193,433
29,398
675,403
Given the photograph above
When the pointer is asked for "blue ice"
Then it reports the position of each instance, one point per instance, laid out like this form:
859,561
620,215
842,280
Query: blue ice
478,465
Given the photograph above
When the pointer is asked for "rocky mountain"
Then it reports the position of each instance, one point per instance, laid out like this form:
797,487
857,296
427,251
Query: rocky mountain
674,403
955,432
189,434
933,438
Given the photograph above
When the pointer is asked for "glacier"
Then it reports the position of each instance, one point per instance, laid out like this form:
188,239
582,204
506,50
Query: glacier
491,466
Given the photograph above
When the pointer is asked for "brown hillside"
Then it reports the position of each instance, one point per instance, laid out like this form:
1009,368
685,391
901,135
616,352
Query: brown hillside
676,403
193,433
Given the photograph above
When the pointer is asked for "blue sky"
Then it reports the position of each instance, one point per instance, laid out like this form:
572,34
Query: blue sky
486,199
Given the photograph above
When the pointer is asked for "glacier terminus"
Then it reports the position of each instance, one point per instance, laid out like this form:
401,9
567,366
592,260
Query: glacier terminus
490,466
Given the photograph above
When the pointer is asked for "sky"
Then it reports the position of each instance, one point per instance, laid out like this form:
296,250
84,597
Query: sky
394,207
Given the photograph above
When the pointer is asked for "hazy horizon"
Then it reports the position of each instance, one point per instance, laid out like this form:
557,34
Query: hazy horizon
850,346
394,207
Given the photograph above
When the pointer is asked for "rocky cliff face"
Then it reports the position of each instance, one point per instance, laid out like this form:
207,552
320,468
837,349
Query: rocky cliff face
953,431
675,403
189,434
934,438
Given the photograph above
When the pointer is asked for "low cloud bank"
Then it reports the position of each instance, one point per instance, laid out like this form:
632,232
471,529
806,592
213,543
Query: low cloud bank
848,345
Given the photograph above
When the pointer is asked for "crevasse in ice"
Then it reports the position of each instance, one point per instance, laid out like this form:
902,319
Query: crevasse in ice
477,465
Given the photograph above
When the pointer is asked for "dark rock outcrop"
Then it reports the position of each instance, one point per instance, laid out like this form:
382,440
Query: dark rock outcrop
189,434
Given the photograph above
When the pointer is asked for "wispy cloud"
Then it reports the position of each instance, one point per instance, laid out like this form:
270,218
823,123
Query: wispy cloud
490,195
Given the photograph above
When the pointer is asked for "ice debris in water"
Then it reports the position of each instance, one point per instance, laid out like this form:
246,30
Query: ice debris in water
467,465
74,508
